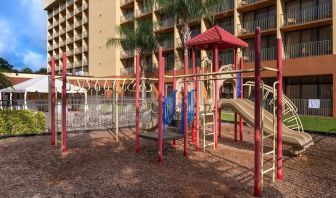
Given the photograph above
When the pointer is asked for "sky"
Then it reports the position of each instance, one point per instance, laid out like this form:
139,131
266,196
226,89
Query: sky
23,33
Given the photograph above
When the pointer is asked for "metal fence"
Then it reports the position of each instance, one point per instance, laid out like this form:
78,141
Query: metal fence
250,26
325,109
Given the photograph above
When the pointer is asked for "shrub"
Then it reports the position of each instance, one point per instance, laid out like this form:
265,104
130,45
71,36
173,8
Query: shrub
20,122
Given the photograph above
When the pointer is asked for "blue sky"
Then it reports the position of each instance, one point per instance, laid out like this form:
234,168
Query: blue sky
23,33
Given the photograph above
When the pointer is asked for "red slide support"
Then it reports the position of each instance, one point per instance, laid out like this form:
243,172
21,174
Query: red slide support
53,102
235,114
64,105
279,111
137,104
257,135
161,95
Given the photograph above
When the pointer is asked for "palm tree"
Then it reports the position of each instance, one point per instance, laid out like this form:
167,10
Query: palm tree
141,39
186,10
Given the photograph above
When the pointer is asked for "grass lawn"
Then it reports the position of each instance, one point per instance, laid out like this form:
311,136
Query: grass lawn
310,123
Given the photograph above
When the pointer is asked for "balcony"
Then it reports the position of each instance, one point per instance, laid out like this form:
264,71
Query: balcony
62,43
266,54
247,2
78,64
78,37
70,2
71,14
78,23
62,31
167,44
85,62
50,48
127,71
179,43
250,26
316,48
143,12
226,58
78,10
78,50
164,24
50,15
84,20
62,7
69,65
126,18
125,2
69,27
85,6
62,19
307,15
228,28
222,9
84,34
84,48
69,40
126,54
49,27
70,52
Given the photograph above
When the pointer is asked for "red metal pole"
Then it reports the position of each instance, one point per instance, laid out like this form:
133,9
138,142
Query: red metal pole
174,89
257,135
216,67
161,73
219,123
241,122
64,105
137,103
197,87
279,112
53,102
235,114
185,102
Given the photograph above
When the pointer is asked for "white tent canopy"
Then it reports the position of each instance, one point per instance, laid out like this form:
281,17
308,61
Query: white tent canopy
41,85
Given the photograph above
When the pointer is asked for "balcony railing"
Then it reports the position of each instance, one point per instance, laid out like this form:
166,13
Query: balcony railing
49,27
85,62
62,19
78,63
62,7
85,34
70,27
307,15
70,2
50,48
70,53
127,17
78,23
167,43
124,2
84,20
266,54
247,2
50,15
226,58
79,10
78,37
228,28
127,70
84,48
85,6
62,43
71,14
78,50
126,53
143,11
69,40
227,7
308,49
250,26
165,23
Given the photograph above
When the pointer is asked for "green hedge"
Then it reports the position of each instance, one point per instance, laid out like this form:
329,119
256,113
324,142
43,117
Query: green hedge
21,122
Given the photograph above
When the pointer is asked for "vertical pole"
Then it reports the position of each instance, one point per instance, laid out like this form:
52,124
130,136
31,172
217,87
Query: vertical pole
53,102
64,105
241,122
279,112
216,67
185,103
197,105
137,104
193,72
219,123
236,91
257,174
161,90
117,114
174,89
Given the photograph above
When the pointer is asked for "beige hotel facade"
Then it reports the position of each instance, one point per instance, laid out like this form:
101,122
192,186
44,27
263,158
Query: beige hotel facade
80,28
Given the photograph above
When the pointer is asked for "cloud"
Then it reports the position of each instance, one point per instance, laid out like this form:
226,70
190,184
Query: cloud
23,33
33,60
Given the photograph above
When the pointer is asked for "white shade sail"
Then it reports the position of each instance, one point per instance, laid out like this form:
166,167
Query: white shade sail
41,85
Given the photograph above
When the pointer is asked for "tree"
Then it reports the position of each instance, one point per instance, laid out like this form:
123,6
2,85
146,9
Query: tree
27,70
5,66
4,80
186,10
141,39
43,70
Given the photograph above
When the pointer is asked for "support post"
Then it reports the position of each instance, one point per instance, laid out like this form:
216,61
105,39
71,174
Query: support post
161,90
194,79
53,102
279,111
241,94
174,89
185,103
137,104
257,135
64,105
235,114
197,103
216,95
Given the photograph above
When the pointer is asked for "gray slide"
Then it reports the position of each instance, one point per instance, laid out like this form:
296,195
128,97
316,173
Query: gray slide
245,108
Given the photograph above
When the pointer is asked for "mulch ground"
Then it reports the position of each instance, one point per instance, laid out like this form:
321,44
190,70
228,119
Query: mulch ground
98,166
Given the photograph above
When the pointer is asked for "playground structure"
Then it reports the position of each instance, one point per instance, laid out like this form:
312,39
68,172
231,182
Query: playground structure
191,118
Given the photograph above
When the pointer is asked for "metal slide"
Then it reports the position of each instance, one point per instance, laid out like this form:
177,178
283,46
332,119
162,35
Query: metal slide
245,108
